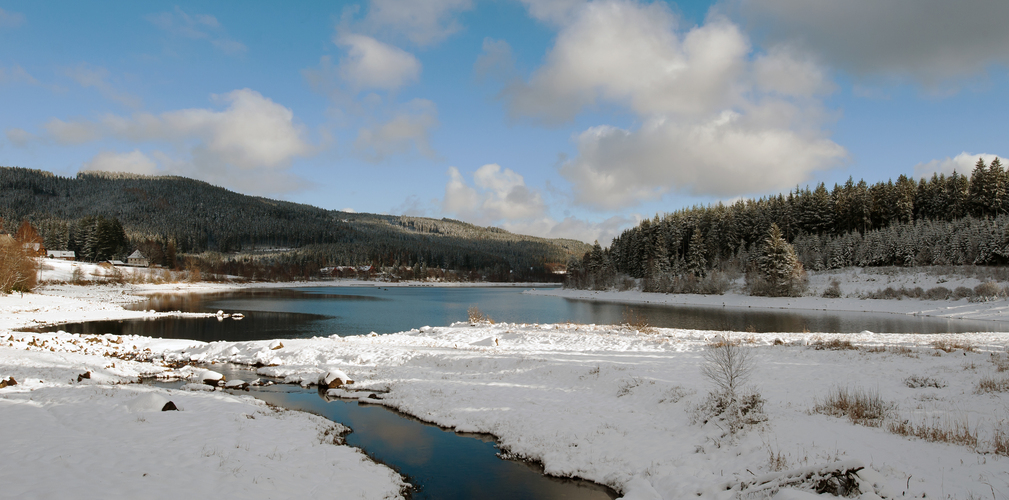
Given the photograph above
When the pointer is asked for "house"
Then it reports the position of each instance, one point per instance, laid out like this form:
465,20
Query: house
34,248
61,254
137,259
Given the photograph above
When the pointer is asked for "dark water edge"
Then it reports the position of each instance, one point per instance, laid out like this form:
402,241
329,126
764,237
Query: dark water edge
439,463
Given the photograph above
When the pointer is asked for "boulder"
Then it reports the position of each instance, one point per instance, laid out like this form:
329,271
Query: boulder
236,384
85,375
334,378
276,344
169,406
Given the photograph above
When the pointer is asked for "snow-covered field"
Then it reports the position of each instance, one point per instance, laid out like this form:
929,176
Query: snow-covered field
605,403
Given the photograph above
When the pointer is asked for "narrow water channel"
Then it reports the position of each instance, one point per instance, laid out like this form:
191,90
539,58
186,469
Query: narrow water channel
440,463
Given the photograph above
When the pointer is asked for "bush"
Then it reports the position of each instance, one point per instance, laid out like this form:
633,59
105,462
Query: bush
476,316
736,412
987,291
938,293
833,291
962,292
17,270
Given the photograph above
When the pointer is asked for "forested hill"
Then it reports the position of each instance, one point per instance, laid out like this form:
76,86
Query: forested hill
193,216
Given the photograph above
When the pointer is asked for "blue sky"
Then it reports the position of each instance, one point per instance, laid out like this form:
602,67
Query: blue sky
558,118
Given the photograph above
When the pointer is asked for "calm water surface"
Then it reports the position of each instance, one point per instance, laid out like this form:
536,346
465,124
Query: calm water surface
439,463
324,311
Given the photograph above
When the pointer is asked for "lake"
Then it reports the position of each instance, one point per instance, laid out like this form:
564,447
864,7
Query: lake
359,310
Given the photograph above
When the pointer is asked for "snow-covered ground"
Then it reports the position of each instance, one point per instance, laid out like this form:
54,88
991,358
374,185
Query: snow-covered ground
605,403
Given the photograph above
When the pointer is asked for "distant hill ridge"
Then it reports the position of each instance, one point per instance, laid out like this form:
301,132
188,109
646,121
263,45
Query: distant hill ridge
199,216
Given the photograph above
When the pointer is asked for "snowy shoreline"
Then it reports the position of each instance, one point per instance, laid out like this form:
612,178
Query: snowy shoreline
852,282
605,403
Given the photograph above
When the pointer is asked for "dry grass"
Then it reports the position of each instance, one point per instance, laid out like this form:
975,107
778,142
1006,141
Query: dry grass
861,406
948,429
634,321
919,381
953,345
834,344
992,383
476,316
904,351
1000,438
1001,361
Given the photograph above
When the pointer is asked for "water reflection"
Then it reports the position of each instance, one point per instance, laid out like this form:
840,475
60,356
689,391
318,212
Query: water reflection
308,312
445,464
442,464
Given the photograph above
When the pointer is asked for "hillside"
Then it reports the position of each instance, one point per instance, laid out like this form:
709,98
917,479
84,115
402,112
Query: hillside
191,216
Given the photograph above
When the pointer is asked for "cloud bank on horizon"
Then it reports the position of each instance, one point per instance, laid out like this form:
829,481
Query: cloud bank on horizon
560,118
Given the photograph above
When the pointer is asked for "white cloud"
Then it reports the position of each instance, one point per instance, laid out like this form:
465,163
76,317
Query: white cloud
88,76
407,131
962,163
197,27
423,23
133,162
495,61
371,64
500,197
717,118
11,19
17,74
19,137
930,41
554,11
250,144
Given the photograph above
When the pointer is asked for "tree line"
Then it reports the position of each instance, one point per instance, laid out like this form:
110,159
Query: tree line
942,220
105,215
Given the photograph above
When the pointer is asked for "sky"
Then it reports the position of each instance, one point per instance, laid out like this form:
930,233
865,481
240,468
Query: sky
557,118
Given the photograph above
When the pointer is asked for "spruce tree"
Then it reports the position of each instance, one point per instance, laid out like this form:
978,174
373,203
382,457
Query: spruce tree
780,267
697,261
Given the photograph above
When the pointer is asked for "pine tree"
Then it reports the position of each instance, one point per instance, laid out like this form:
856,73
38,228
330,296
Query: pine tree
780,268
697,261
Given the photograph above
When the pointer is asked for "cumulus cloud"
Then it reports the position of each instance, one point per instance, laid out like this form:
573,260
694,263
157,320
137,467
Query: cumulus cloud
423,23
19,137
249,144
88,76
962,163
11,19
554,11
407,131
499,197
717,117
197,27
371,64
927,40
496,60
133,162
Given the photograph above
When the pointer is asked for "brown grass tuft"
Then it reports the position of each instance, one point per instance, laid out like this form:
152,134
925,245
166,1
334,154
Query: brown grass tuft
634,321
834,344
476,316
992,383
953,345
861,406
953,430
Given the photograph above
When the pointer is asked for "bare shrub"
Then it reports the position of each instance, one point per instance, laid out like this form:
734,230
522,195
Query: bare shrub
861,406
992,383
833,291
953,345
833,345
948,429
18,271
476,316
986,292
735,412
938,293
962,292
727,364
919,381
635,321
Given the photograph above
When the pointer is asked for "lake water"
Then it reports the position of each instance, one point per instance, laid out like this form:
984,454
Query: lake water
324,311
441,464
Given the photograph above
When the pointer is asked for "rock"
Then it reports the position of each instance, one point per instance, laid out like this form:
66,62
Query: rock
169,406
147,402
3,383
85,375
374,396
276,344
334,378
236,384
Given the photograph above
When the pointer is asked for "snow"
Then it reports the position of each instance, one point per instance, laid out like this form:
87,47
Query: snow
605,403
853,283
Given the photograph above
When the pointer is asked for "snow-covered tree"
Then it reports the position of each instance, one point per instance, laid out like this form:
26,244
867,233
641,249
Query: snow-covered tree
781,272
